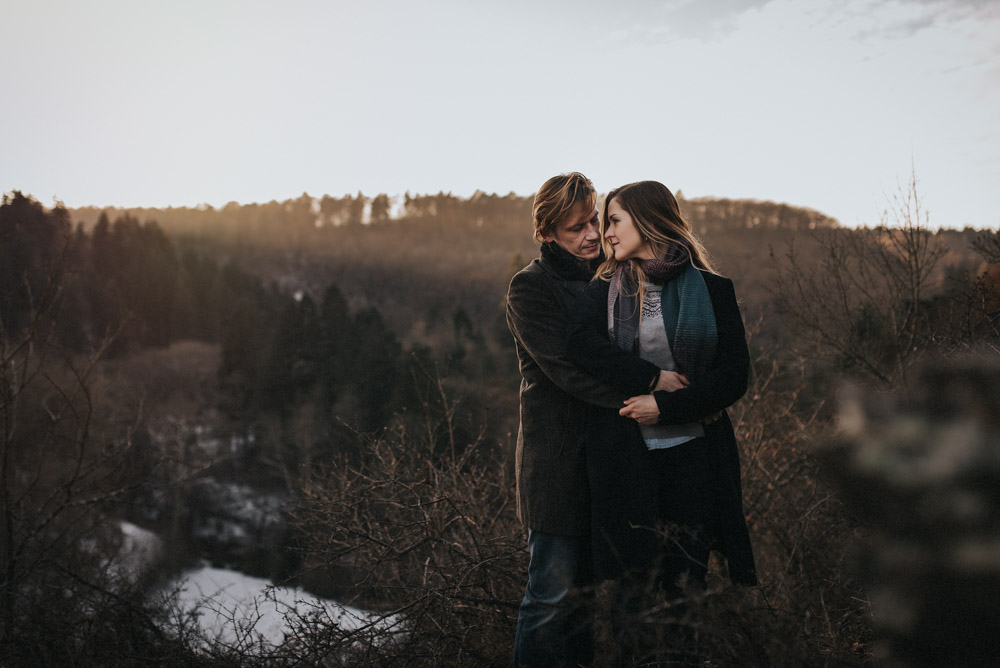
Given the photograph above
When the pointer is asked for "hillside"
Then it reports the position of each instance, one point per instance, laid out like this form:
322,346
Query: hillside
441,251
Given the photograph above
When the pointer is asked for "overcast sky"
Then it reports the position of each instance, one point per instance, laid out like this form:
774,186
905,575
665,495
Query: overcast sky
821,103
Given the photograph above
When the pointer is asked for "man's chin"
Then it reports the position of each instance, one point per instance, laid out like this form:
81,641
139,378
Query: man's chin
589,254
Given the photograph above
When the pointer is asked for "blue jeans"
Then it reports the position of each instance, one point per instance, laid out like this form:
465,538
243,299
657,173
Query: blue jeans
555,624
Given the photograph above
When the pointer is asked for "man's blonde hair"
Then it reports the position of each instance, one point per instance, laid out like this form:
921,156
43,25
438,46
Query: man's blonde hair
557,197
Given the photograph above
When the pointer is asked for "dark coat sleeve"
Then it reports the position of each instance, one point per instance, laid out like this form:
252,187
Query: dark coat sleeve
726,379
587,344
539,326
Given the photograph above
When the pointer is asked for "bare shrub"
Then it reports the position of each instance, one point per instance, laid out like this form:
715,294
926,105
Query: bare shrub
422,527
972,306
865,304
809,609
66,597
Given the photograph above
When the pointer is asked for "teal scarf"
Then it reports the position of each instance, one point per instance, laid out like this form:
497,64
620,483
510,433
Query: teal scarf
688,316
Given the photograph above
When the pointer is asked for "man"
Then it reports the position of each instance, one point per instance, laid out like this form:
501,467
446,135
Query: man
555,622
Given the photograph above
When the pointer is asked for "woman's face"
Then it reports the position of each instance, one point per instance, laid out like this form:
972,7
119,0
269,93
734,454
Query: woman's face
625,239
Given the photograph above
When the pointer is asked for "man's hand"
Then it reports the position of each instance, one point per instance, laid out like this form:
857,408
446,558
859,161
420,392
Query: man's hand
642,409
670,381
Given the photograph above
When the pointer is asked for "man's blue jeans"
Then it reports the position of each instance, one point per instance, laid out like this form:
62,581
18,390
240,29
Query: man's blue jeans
555,625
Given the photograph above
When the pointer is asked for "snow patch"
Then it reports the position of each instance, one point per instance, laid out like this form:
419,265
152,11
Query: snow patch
239,610
141,546
138,550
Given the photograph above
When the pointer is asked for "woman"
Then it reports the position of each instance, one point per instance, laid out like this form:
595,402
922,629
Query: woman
667,458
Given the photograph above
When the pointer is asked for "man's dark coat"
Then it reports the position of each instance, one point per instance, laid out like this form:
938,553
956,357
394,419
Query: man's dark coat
551,466
621,486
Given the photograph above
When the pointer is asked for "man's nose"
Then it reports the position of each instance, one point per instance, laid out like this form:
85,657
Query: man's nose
593,231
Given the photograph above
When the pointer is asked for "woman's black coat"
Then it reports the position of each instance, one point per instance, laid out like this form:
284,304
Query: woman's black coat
621,485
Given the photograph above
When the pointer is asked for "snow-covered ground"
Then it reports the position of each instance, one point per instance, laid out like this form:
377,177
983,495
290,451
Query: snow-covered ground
139,547
231,608
236,609
137,550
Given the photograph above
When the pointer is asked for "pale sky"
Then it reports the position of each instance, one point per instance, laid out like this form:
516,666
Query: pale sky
821,103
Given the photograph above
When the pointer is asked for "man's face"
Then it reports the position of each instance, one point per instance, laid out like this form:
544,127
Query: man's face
578,233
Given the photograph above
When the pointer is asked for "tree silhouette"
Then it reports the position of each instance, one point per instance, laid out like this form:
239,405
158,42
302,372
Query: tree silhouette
380,208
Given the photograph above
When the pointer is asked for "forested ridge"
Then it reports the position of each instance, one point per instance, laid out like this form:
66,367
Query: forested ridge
418,257
396,255
353,353
296,219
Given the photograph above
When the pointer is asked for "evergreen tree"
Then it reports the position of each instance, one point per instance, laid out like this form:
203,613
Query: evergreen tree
355,208
31,244
380,208
331,210
333,345
374,367
286,377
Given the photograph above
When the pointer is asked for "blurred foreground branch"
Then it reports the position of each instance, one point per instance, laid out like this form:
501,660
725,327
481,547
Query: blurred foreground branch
922,471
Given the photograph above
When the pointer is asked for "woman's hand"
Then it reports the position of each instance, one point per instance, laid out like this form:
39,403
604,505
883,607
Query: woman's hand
670,381
642,409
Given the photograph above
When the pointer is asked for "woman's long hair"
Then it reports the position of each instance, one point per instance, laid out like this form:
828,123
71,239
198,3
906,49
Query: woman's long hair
658,220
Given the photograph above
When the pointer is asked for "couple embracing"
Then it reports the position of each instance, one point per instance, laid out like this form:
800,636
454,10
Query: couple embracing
630,348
